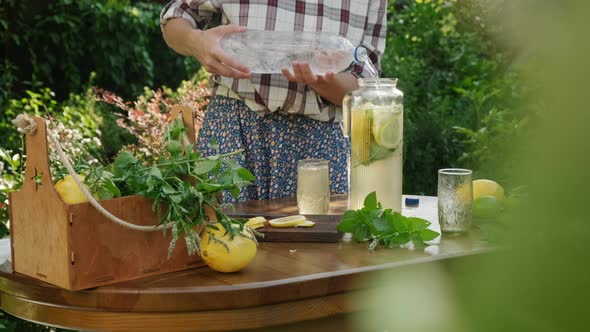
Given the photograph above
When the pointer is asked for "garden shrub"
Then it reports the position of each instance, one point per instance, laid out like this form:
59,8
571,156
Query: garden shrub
57,44
452,77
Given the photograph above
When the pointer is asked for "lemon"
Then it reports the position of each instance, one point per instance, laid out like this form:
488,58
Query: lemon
483,187
223,254
387,128
486,207
69,191
255,222
360,138
307,223
289,221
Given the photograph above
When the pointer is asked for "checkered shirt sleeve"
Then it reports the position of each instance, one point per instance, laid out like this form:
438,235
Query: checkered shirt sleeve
363,22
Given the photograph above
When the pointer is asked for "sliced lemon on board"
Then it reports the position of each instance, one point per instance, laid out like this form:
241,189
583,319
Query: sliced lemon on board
387,128
307,223
255,222
289,221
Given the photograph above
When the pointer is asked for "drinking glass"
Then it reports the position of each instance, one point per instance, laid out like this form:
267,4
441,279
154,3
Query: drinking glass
313,186
455,200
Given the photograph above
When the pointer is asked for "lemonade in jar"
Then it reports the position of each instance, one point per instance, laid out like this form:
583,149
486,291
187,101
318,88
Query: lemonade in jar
373,120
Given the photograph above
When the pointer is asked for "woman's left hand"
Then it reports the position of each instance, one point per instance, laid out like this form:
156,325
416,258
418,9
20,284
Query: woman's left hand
302,74
331,87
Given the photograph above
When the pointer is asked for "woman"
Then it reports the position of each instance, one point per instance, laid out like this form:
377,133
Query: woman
276,119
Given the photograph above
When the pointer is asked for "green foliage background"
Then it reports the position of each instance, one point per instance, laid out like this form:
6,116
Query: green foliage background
58,43
461,91
460,87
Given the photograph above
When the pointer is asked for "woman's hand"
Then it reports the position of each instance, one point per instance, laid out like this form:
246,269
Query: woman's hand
302,74
331,87
207,49
205,46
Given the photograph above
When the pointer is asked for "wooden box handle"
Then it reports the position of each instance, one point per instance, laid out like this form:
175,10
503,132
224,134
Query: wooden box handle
37,170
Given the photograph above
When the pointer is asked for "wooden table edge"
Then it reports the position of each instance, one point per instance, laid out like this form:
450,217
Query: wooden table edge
211,320
168,299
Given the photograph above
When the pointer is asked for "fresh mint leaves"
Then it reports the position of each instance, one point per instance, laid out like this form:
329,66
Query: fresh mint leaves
182,184
384,227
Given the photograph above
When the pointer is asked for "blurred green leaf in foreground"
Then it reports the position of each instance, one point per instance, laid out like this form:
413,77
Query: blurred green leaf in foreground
541,280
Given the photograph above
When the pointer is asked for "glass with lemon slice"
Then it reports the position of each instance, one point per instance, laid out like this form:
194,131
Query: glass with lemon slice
373,120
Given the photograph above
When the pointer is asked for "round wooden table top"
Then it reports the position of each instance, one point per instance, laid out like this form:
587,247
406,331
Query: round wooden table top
294,281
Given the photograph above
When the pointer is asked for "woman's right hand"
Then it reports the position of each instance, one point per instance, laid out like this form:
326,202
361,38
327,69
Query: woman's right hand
205,46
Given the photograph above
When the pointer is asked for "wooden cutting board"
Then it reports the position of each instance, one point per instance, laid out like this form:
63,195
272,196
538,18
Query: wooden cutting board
324,229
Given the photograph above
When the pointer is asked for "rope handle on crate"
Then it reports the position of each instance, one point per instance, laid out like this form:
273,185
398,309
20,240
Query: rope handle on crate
26,125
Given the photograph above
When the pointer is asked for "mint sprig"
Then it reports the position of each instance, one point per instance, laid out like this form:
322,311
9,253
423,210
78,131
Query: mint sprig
384,227
182,184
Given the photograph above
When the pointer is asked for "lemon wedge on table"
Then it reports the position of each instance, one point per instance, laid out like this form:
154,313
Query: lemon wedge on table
289,221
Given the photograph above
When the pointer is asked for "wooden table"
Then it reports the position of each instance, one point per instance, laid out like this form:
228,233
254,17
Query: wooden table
295,285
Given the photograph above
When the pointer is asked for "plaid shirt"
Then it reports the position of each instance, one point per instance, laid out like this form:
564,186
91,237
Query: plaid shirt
363,22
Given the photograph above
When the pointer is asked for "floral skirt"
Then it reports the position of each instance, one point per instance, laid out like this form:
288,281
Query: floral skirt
272,146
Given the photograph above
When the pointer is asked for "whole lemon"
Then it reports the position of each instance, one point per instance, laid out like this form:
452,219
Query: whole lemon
483,187
223,254
69,191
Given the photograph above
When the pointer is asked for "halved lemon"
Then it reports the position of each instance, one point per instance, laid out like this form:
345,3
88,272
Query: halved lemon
307,223
289,221
387,128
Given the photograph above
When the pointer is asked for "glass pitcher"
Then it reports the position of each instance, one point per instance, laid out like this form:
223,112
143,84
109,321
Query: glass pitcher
373,120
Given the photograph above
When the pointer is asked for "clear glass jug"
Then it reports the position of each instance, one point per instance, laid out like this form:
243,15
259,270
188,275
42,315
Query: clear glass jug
268,52
373,120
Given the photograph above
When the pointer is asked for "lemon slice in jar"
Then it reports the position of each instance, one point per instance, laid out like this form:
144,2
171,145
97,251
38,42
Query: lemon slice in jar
289,221
387,128
360,139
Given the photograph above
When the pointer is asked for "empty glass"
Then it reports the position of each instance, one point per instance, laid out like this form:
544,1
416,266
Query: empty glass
455,199
313,186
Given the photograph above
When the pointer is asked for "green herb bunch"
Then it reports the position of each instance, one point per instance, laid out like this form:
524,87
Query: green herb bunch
383,226
182,184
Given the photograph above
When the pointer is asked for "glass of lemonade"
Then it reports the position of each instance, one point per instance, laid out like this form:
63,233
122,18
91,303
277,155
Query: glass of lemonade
313,186
373,120
455,200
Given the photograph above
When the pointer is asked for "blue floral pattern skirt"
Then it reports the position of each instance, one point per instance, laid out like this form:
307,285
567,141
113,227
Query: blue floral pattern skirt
272,146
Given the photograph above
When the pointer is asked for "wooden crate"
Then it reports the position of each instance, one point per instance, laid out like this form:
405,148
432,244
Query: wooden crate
74,246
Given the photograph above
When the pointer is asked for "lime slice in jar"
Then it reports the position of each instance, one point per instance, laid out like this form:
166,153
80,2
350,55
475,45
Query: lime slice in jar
387,129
